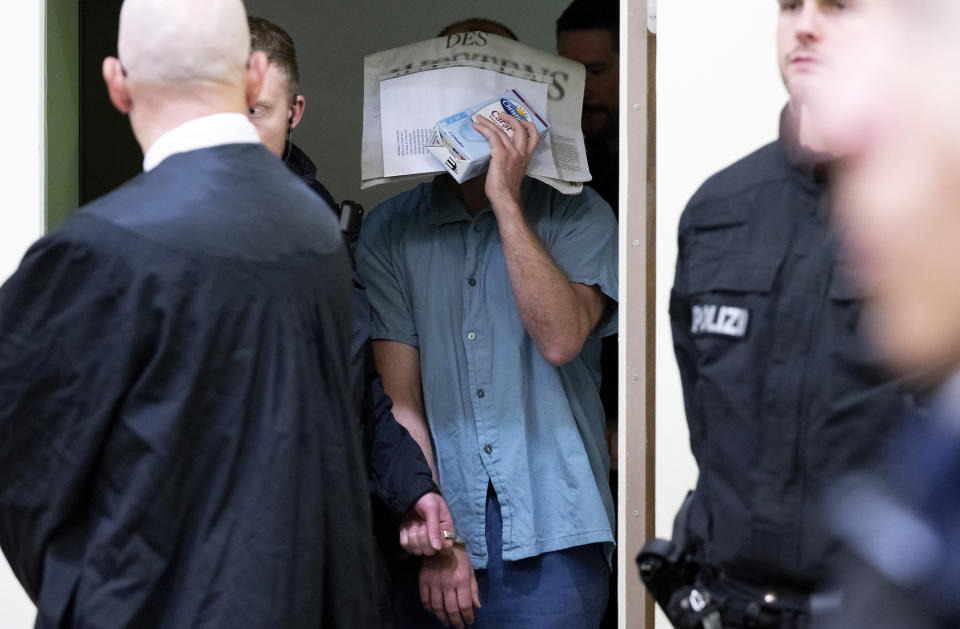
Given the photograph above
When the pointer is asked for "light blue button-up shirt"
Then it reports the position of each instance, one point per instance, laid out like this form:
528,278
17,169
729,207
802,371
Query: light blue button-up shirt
498,411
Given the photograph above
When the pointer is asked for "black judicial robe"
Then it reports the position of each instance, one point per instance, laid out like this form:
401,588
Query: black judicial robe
179,442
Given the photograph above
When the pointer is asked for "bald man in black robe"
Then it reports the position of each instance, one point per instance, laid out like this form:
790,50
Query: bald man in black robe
179,412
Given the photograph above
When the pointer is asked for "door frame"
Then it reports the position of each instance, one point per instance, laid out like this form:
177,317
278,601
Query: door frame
635,522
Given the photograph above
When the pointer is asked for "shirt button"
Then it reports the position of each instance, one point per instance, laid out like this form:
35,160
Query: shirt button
472,336
472,282
488,449
481,394
477,228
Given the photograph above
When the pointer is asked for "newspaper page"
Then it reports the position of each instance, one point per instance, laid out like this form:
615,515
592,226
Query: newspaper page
412,104
391,141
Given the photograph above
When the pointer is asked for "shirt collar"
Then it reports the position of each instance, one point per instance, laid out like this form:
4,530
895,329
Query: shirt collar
201,133
446,208
808,162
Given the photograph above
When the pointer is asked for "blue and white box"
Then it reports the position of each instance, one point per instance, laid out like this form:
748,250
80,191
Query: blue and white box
462,150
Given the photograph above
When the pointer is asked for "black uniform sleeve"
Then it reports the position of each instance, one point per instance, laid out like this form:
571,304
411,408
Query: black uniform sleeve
399,474
324,194
66,344
681,322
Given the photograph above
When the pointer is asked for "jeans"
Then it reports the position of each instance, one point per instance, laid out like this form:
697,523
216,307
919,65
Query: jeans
564,589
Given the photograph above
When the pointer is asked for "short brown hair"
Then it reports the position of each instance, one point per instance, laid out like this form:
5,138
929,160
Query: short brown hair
481,24
586,15
267,37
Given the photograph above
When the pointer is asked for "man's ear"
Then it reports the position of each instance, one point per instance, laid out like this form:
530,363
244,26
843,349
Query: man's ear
113,76
256,70
296,111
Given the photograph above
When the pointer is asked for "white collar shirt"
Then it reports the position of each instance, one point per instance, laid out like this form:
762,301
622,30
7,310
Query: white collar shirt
201,133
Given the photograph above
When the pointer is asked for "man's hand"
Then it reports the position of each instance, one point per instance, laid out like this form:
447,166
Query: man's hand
422,530
509,160
448,587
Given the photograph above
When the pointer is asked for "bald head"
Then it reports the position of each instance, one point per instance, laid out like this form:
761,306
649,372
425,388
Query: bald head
173,43
180,60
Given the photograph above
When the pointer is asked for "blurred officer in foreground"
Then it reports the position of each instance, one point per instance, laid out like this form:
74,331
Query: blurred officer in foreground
400,479
179,442
894,105
782,397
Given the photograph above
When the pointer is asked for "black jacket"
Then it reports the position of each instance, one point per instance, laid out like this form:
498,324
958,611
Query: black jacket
781,395
303,167
179,442
399,474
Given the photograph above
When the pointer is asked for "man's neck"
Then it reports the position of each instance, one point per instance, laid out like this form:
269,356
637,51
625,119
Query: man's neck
805,132
471,193
610,142
154,117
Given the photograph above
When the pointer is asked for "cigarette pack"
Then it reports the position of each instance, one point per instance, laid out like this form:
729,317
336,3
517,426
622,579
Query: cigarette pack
462,150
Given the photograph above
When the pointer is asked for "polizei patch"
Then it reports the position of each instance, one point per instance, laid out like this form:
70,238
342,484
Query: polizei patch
722,320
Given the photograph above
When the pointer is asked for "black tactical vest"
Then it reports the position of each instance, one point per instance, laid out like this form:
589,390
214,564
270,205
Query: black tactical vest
782,394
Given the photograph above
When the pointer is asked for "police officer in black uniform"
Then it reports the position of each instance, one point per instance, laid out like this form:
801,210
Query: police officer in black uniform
399,478
782,396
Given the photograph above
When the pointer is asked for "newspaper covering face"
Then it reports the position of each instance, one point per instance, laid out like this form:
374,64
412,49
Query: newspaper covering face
408,89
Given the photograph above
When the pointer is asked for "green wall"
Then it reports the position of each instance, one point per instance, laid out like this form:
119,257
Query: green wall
63,110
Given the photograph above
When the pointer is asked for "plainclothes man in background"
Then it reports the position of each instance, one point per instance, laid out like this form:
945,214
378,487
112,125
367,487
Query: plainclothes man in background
399,477
279,108
782,395
179,442
489,300
588,32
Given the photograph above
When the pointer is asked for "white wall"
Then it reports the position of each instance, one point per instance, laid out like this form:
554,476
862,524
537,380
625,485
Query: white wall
21,161
21,198
719,98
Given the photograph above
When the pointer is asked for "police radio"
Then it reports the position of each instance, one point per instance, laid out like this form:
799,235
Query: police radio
351,219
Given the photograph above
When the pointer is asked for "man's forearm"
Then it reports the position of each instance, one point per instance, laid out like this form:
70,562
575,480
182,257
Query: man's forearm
399,366
552,312
558,315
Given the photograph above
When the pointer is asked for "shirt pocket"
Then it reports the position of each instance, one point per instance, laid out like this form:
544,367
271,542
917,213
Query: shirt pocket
719,226
731,298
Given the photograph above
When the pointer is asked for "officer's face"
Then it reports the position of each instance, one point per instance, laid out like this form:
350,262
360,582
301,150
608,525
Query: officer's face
273,113
594,48
812,35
